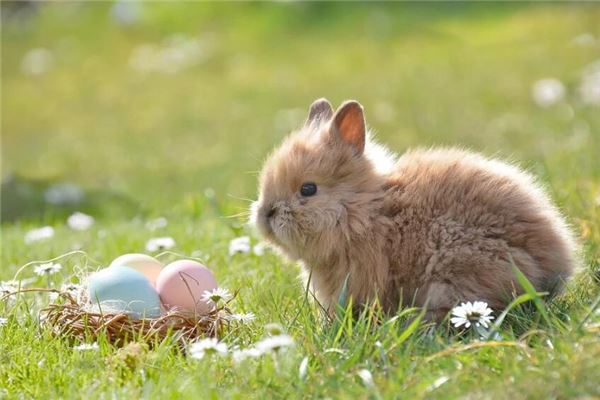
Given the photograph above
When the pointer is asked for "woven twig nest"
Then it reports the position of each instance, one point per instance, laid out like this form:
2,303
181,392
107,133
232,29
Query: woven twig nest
74,319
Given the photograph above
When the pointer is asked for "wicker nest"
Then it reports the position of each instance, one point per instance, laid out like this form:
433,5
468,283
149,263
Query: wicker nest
72,319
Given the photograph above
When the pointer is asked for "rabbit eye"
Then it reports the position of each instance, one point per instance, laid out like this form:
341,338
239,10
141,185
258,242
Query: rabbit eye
308,189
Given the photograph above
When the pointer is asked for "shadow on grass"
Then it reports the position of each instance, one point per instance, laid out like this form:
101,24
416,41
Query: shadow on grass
26,199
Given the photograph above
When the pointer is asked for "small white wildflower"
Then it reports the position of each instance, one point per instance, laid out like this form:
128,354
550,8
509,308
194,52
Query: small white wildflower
239,245
37,61
243,317
158,223
242,354
366,377
547,92
260,249
275,343
80,222
36,235
160,243
47,269
86,347
467,314
303,369
585,39
8,287
209,346
216,295
74,289
3,321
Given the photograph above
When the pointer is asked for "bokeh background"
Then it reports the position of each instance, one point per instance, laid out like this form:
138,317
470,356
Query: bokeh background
127,110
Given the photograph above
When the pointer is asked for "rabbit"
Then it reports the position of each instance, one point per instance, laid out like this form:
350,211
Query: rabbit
433,227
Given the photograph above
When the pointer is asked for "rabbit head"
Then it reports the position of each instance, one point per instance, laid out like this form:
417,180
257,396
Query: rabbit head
317,187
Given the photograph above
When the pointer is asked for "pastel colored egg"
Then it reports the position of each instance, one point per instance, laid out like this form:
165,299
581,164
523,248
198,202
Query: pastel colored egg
123,289
149,266
182,283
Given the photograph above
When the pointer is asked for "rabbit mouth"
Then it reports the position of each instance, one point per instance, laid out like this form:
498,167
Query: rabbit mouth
276,223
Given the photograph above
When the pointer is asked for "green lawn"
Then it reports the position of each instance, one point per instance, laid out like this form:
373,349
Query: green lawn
181,133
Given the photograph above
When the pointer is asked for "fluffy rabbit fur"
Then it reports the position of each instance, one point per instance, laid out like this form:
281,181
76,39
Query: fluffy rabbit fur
433,226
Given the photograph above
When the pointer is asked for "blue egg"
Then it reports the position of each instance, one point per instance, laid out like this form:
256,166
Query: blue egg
123,289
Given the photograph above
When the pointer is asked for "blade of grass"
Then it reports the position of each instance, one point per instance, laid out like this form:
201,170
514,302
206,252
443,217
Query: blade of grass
536,297
409,331
496,326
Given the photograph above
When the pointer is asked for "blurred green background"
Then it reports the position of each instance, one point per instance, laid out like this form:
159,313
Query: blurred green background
140,108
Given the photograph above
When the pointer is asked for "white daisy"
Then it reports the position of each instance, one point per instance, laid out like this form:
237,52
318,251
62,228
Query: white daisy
476,313
86,347
242,354
243,317
240,245
216,295
80,222
274,343
259,249
8,287
209,346
547,92
74,289
38,234
47,269
366,377
3,321
160,243
71,288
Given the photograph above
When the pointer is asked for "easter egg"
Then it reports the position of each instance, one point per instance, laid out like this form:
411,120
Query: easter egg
182,283
149,266
123,289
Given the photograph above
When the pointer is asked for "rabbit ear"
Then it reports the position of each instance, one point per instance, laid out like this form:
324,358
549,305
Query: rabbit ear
349,125
320,111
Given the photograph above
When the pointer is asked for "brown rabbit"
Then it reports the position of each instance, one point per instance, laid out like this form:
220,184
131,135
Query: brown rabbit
437,226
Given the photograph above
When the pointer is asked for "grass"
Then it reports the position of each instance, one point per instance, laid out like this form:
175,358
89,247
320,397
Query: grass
147,145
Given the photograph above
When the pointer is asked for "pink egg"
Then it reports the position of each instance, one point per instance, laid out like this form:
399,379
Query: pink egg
182,283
